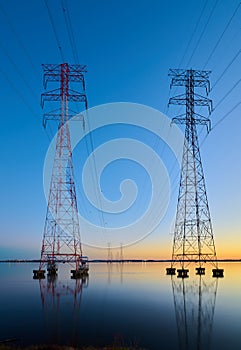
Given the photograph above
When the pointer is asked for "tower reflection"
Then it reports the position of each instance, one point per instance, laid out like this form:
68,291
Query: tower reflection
194,301
115,270
61,303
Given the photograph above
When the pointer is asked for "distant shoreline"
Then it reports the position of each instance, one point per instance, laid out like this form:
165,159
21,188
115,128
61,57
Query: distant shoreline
119,261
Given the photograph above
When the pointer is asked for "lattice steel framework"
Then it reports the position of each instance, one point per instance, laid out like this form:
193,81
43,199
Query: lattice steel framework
193,234
194,302
61,239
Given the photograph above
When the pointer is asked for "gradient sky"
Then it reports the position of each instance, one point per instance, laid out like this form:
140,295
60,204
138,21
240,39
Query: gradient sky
128,47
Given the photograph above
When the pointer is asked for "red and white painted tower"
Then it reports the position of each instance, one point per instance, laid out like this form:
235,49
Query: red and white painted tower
61,239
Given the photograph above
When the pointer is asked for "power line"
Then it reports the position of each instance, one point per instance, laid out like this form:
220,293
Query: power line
228,93
70,31
19,92
17,69
76,58
221,120
221,36
217,43
23,47
54,30
97,194
193,33
21,96
189,43
226,115
226,69
20,42
203,31
220,102
187,47
75,54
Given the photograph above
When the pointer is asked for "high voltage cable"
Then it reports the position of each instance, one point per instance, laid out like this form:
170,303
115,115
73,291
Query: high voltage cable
222,35
193,33
187,47
76,59
23,79
54,30
222,119
217,43
19,93
75,54
20,42
228,93
23,47
17,70
203,31
70,31
226,69
24,100
218,80
226,115
98,196
191,38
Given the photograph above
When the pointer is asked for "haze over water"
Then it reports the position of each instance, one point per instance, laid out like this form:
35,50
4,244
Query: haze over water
124,304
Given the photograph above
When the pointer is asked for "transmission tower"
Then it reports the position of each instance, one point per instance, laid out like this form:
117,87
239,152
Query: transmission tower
193,234
61,238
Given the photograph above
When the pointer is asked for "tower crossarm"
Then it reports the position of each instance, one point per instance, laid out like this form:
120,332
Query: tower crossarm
198,101
199,78
56,95
61,75
52,73
199,119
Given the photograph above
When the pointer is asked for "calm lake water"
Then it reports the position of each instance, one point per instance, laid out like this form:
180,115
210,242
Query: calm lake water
123,304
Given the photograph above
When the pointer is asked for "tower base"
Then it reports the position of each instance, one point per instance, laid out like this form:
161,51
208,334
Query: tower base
170,271
38,274
200,271
182,273
52,268
218,273
79,273
52,271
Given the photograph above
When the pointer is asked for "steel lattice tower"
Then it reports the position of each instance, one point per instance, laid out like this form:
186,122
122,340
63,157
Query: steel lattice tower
193,233
61,239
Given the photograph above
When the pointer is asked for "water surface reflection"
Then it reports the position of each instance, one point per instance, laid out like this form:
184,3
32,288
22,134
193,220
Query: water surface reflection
124,303
58,297
194,302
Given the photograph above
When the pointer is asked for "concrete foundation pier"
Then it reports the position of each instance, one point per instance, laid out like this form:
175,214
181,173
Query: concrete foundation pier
38,274
170,271
79,273
200,271
53,271
182,273
52,268
218,273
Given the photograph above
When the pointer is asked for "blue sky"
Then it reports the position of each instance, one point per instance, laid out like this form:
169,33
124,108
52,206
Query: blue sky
128,47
